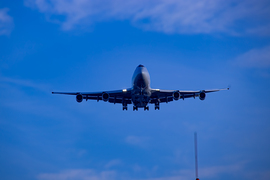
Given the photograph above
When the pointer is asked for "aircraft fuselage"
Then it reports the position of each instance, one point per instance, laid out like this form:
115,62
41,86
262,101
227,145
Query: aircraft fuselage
141,90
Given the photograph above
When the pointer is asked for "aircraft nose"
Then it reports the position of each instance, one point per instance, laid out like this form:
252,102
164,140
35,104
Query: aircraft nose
141,65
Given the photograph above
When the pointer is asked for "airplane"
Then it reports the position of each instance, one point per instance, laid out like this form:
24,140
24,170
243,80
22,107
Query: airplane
140,94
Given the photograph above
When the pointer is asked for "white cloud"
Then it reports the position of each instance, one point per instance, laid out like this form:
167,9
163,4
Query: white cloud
258,58
258,174
234,170
216,171
169,16
6,22
204,173
21,99
113,163
137,141
78,174
25,83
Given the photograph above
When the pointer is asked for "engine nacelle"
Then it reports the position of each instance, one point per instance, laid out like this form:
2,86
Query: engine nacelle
176,95
105,96
79,98
202,95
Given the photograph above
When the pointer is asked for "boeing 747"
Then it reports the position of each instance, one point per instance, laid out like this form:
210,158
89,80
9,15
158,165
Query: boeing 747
140,94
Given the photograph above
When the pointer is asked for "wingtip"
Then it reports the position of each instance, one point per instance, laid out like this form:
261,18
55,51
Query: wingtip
52,92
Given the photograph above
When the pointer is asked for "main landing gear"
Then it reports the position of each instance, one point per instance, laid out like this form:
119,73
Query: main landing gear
124,106
146,108
157,106
135,108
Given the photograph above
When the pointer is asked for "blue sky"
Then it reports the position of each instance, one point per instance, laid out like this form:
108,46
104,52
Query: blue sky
68,45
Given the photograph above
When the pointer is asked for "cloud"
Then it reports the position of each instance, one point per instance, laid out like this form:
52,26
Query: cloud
258,174
169,16
113,163
204,173
25,96
234,170
25,83
6,22
255,58
216,171
78,174
137,141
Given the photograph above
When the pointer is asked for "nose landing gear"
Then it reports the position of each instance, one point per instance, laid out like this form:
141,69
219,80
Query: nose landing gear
146,108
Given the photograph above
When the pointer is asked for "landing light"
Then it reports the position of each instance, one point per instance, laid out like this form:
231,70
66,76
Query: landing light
124,90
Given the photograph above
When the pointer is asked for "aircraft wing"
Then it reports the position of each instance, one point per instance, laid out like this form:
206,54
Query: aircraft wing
117,96
161,96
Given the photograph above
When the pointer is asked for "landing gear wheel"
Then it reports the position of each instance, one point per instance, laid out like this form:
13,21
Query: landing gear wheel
146,108
135,108
157,106
125,108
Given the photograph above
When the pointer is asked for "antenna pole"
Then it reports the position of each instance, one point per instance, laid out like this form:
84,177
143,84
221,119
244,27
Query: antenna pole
196,155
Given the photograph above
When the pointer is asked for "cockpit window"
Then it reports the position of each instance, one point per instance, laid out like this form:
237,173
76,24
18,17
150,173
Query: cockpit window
141,65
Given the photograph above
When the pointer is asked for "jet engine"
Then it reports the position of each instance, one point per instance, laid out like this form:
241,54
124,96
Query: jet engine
105,96
202,95
176,95
79,98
